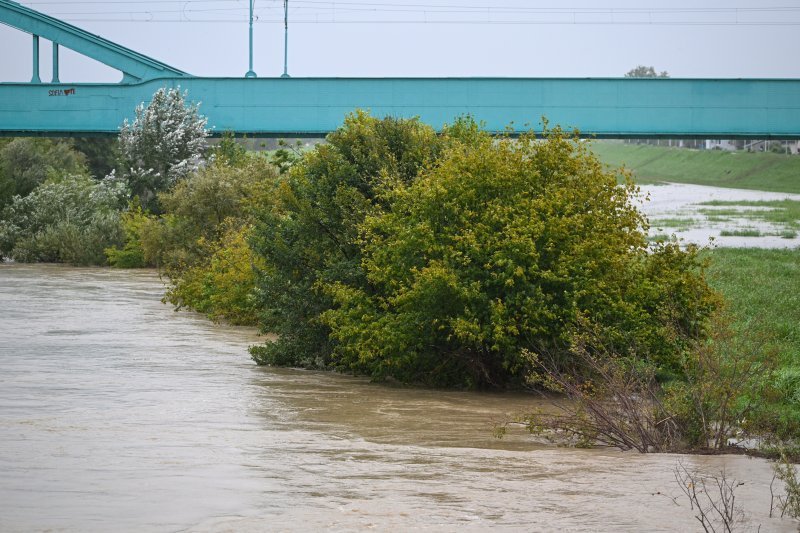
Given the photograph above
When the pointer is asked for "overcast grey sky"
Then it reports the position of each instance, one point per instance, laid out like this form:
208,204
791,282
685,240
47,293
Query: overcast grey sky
431,38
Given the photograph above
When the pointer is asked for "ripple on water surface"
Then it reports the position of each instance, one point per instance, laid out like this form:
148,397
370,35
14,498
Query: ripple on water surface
117,413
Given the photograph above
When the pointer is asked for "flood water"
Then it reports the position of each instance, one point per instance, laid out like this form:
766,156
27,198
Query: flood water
118,414
687,204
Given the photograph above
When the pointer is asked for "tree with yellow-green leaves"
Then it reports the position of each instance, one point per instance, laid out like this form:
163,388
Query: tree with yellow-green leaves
448,273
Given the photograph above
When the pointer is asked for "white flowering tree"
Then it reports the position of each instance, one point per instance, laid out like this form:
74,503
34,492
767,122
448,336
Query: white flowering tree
162,145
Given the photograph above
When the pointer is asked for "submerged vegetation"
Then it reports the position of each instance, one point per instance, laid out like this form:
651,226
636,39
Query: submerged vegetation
739,218
452,258
780,212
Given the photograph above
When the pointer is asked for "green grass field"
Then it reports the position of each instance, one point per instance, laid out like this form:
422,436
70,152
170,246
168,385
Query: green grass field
762,290
741,170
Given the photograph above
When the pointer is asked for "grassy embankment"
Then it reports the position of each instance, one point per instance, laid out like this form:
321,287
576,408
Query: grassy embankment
741,170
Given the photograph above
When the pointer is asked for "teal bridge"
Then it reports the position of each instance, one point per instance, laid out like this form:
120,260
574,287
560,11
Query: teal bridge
296,107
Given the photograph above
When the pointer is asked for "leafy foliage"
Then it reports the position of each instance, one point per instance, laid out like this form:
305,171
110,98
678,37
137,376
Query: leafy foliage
310,235
25,163
728,377
502,246
71,220
618,401
219,279
223,287
201,241
770,313
138,250
162,145
612,401
395,252
228,151
196,209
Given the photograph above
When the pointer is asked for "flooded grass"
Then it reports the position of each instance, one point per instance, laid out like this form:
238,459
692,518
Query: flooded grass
744,232
674,222
730,217
783,212
781,217
658,237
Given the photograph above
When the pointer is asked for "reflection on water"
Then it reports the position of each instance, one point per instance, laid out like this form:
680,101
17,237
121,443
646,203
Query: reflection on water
118,414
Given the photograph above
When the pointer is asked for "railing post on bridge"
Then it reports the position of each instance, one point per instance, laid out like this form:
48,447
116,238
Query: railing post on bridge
36,78
55,63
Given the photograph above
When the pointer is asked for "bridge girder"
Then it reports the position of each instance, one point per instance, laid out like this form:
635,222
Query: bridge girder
282,107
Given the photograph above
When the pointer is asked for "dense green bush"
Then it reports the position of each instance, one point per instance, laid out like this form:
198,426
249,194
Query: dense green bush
211,268
138,250
222,287
25,163
200,241
195,211
101,153
787,381
399,253
501,247
310,234
71,220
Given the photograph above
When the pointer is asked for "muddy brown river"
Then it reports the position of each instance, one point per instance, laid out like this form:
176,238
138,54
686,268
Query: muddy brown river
119,414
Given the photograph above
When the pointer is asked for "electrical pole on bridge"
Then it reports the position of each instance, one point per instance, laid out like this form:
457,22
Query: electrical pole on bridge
285,39
250,73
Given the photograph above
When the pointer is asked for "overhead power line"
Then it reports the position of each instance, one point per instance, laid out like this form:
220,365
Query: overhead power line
344,4
366,12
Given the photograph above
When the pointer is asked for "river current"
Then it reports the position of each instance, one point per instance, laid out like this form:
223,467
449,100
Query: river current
119,414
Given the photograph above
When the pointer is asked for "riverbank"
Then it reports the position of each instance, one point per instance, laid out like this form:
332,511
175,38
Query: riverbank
742,170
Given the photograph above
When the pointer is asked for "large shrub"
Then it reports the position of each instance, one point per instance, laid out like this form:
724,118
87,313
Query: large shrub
70,220
201,240
503,246
310,234
195,211
223,286
213,272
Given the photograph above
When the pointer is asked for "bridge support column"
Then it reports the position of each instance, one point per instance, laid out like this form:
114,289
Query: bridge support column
35,78
55,63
